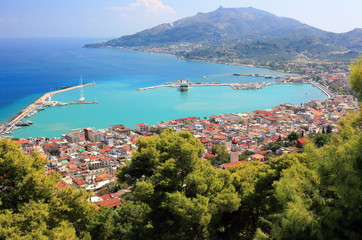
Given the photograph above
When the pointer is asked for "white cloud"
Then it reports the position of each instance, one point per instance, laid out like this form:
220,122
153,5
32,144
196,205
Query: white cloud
153,7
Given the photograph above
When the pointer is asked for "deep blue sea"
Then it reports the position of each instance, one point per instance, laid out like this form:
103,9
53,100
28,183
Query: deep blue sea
31,67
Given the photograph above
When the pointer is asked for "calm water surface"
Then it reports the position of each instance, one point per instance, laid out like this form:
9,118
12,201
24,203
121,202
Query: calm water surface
31,67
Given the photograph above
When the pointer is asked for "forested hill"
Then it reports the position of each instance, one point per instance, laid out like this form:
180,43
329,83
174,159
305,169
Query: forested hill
224,25
252,31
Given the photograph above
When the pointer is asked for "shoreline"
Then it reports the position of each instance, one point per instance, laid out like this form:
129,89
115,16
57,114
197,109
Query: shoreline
191,59
146,120
20,115
6,127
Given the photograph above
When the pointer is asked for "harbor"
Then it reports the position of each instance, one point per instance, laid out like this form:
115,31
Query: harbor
185,84
245,75
38,105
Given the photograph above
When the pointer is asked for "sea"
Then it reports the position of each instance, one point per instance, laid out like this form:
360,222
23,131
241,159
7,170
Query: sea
30,67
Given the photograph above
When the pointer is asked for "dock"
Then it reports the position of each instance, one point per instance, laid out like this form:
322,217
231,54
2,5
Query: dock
153,87
244,74
6,128
243,85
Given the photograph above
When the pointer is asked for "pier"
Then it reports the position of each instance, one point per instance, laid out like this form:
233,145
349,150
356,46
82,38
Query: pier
243,74
238,86
153,87
235,86
243,85
6,128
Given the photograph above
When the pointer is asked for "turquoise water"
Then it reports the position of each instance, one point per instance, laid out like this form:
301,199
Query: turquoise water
26,74
120,106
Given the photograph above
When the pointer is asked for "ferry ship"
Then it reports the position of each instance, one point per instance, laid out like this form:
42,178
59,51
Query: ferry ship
184,84
184,87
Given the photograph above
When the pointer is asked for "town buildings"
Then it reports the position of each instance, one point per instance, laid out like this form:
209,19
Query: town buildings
89,158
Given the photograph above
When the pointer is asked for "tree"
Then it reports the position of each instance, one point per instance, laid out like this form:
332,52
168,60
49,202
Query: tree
329,129
185,196
153,152
321,192
248,152
356,77
53,151
32,206
321,139
222,155
273,146
293,136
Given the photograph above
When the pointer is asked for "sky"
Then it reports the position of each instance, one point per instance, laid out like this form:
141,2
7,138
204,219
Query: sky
115,18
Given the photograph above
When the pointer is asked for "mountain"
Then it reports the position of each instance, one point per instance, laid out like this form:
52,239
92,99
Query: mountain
225,25
248,31
351,40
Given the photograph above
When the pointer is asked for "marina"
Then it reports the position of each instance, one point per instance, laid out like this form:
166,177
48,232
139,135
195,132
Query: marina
38,105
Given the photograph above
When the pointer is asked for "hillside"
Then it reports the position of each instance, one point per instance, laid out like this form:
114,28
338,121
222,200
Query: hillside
242,33
220,26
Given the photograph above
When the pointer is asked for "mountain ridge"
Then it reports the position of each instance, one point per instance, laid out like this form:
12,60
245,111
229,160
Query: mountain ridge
234,27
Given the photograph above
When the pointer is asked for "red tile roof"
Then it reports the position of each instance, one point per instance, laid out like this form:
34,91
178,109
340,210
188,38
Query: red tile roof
111,202
233,164
106,197
264,113
22,141
79,182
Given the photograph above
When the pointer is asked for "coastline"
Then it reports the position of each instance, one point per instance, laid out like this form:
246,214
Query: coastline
9,125
183,96
323,88
187,59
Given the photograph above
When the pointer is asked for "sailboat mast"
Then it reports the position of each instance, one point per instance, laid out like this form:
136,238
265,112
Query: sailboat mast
81,99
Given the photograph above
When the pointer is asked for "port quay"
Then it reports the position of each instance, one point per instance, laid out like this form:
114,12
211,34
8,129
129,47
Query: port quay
42,101
287,79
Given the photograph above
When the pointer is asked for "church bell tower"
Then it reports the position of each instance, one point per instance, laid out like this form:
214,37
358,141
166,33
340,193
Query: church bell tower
234,151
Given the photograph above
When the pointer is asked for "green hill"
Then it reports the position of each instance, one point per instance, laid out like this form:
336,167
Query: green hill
242,33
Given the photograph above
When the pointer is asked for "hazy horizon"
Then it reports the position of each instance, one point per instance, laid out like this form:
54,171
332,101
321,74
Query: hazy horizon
114,18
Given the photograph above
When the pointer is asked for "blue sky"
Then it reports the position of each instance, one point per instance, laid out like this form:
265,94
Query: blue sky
114,18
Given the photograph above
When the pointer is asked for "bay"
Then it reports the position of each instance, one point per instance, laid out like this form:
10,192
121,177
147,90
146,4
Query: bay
31,67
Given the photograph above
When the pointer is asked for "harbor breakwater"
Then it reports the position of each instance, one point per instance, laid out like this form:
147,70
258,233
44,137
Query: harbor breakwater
6,128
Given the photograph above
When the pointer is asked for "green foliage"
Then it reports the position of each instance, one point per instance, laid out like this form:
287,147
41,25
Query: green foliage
32,206
329,129
293,136
111,187
154,151
321,193
356,77
157,130
222,155
53,151
248,153
273,146
321,139
185,196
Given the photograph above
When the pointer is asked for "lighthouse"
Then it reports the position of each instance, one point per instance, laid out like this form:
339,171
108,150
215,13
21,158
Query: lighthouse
234,151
